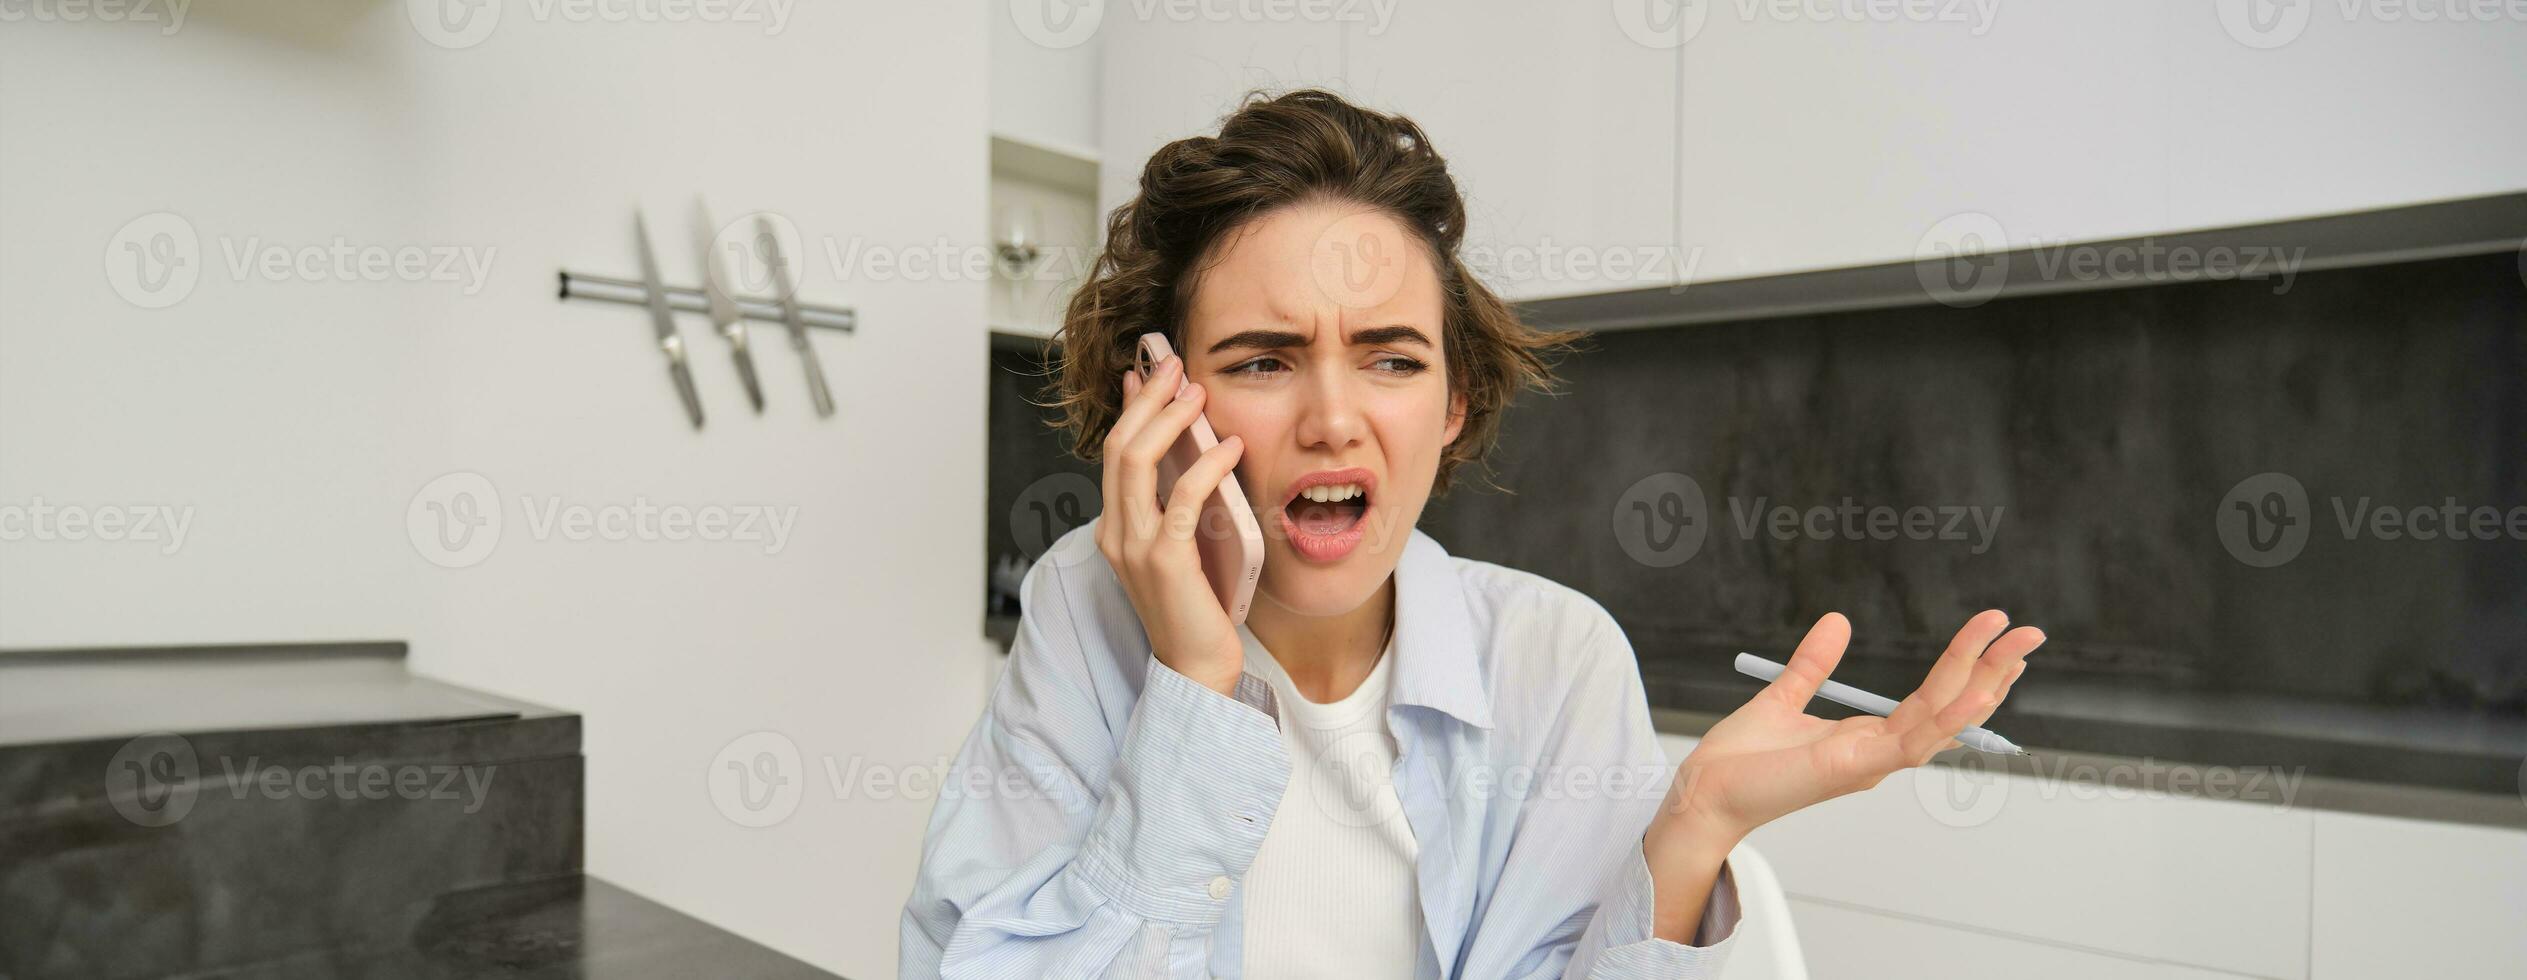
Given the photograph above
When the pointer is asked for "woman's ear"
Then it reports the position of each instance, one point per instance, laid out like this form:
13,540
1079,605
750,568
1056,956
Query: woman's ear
1456,417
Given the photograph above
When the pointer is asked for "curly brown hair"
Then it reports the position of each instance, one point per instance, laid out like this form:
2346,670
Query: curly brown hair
1273,153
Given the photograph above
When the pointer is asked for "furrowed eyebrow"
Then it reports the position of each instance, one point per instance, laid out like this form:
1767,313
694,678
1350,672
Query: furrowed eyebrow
1278,339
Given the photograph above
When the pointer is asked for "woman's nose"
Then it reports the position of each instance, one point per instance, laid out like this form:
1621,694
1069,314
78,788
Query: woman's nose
1330,415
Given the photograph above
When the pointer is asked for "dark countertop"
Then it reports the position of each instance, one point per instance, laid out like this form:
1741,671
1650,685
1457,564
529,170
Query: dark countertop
573,928
74,695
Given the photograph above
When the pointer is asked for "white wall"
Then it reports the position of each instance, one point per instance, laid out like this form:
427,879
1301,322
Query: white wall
297,420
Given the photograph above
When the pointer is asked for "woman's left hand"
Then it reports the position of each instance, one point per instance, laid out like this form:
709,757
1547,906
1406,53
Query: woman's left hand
1770,758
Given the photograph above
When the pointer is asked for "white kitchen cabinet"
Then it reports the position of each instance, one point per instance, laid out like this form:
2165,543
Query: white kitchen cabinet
2410,898
1882,946
1169,77
1944,872
1559,127
2350,107
1812,144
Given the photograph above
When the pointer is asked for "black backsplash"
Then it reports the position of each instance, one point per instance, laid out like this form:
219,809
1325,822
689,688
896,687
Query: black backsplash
2101,434
1037,491
2106,431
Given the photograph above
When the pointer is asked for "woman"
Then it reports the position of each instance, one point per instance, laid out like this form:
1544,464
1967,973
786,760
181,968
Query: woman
1402,764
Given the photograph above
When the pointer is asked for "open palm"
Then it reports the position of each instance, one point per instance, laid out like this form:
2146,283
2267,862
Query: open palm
1770,757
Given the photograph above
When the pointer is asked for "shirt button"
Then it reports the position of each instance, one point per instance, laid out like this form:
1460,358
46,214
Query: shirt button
1219,887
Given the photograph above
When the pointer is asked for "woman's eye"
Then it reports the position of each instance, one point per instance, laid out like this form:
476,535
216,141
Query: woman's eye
1259,365
1400,365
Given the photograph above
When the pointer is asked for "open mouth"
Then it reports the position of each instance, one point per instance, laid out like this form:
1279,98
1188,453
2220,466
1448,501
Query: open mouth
1327,512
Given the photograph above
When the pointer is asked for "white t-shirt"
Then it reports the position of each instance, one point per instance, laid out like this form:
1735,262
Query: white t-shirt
1331,892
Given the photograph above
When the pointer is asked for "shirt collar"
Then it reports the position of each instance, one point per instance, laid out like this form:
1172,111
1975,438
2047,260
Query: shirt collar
1437,663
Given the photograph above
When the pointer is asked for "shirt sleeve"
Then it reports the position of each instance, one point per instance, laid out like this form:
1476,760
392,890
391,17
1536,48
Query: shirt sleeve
1576,883
1061,848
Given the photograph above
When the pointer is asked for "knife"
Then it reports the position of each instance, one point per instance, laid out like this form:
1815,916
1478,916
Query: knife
664,322
723,308
789,315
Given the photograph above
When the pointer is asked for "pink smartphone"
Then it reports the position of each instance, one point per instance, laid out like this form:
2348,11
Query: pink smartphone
1229,540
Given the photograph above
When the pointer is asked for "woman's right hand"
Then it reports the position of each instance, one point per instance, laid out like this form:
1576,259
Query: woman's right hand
1152,548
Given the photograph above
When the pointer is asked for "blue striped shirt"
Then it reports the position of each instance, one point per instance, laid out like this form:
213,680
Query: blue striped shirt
1101,813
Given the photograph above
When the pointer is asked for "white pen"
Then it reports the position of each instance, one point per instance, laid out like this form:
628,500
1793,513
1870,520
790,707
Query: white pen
1978,739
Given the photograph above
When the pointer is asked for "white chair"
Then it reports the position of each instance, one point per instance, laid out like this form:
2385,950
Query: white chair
1767,946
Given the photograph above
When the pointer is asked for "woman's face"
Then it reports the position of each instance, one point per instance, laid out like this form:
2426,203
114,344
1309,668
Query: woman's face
1315,331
